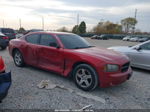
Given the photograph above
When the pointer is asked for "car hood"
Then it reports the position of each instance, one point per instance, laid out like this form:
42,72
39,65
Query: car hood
121,48
102,53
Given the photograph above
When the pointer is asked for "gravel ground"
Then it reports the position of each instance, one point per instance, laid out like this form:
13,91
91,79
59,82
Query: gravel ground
24,94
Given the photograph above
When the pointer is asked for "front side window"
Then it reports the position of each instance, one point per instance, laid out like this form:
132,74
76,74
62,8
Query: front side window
33,38
146,46
71,41
48,40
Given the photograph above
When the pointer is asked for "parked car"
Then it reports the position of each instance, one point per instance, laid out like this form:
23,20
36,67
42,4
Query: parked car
69,54
94,37
4,40
33,30
104,37
5,80
139,54
144,39
19,35
98,37
116,36
8,32
135,39
127,38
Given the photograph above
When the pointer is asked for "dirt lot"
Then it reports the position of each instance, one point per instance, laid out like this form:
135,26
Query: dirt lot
24,94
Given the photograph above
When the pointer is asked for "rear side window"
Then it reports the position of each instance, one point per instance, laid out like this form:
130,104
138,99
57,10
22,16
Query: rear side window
8,31
46,39
33,38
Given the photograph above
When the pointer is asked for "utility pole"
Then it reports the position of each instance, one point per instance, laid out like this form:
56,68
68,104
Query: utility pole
135,13
135,19
78,19
42,22
3,24
20,22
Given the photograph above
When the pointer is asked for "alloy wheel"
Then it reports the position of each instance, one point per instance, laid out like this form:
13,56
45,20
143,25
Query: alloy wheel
83,77
18,58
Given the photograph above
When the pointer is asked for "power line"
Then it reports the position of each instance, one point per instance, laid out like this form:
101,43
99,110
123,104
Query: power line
70,17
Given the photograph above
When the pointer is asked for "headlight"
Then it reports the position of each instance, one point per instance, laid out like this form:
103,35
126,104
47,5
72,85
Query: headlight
111,68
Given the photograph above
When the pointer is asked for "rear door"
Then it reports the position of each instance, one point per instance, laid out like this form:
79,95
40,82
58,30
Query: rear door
50,56
31,48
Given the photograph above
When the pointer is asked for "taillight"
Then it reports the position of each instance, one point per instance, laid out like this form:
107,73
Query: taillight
5,37
2,65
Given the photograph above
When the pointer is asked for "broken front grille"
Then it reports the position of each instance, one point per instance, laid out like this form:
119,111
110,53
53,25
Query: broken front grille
125,67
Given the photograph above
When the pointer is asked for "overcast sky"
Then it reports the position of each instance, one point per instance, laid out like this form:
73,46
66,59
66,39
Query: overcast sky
58,13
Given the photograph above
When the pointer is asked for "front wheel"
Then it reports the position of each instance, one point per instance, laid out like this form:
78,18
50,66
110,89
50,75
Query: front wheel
85,77
18,59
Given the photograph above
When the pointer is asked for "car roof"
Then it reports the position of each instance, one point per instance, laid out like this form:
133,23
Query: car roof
51,32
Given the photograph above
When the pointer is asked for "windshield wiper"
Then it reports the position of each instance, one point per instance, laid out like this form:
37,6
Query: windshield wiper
91,46
83,47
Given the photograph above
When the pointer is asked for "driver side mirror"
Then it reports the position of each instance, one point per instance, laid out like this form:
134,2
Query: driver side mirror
137,48
53,44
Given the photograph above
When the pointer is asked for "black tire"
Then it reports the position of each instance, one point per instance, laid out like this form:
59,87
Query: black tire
90,75
17,55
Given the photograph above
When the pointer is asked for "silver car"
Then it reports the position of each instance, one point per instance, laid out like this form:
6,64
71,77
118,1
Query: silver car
127,38
139,54
135,39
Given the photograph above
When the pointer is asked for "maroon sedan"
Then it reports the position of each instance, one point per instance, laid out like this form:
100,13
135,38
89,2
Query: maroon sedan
69,54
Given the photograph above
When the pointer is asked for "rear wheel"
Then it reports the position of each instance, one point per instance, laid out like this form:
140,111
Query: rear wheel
85,77
18,58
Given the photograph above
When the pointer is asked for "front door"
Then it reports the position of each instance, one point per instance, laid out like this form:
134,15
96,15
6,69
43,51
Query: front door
141,57
50,56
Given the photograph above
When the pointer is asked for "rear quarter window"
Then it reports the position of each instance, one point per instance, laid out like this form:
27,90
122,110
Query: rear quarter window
33,38
46,39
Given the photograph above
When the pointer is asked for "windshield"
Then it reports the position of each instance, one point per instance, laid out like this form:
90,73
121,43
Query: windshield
71,41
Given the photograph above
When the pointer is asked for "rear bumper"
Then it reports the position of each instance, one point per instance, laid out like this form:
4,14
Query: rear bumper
109,80
5,83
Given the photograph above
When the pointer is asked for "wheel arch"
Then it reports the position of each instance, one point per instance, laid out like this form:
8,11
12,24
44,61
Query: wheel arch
13,51
92,66
82,62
